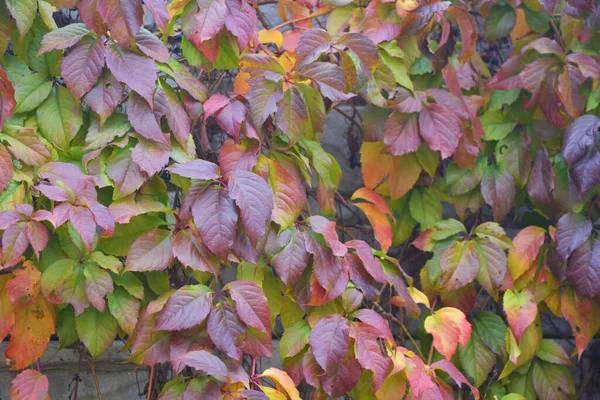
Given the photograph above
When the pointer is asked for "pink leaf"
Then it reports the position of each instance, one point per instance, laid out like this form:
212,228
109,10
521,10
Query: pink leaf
158,9
6,168
224,327
82,67
189,249
143,120
151,252
204,361
327,267
83,221
104,97
251,304
29,385
134,70
196,169
326,228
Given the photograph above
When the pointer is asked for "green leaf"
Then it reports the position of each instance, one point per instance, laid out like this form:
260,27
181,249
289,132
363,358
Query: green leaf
124,308
538,21
24,12
492,330
97,330
499,98
125,234
512,153
425,207
31,91
61,117
552,352
496,125
294,339
551,381
500,21
228,56
476,359
66,327
428,159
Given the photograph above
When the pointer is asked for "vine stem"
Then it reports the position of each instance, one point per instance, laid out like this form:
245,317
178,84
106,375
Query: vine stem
253,370
349,118
586,382
389,317
293,21
149,397
558,35
94,375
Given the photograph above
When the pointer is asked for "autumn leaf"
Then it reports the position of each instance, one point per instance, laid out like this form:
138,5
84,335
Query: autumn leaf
449,327
29,384
521,310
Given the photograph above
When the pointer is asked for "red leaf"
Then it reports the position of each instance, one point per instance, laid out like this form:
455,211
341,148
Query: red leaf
204,361
468,31
151,252
134,70
375,320
371,264
29,385
330,340
177,117
208,21
251,304
361,278
380,223
311,45
123,17
6,168
216,218
521,310
455,374
368,352
150,156
583,5
186,308
341,377
224,327
255,200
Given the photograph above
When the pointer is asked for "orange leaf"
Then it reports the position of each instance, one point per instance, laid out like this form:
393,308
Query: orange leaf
579,314
31,333
375,164
282,379
372,197
526,244
405,172
380,223
449,327
25,285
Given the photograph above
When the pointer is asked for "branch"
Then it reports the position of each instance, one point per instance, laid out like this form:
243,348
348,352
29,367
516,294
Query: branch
349,118
390,317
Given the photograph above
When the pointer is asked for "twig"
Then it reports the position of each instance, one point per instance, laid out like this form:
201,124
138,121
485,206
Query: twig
76,389
261,17
389,317
293,21
430,356
217,81
349,118
149,396
93,369
586,382
558,36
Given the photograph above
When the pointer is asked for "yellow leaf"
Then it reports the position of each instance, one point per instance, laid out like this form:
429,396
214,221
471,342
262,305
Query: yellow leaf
272,394
270,36
282,379
418,296
521,28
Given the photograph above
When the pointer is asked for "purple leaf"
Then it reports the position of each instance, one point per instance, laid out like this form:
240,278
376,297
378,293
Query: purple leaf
579,137
151,252
123,17
327,267
311,45
330,340
196,169
158,9
224,327
584,268
287,254
498,189
255,199
143,120
105,96
251,304
82,67
151,46
204,361
241,21
186,308
132,69
216,218
188,248
572,230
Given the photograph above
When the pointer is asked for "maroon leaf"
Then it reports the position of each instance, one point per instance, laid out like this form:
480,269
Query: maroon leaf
401,132
584,268
243,156
186,308
88,11
330,340
541,183
151,252
363,47
292,114
151,46
204,361
329,77
104,96
208,21
498,189
255,199
371,264
311,45
583,5
361,278
327,267
124,172
188,248
287,254
579,137
257,344
134,70
326,228
241,21
177,117
224,327
216,218
196,169
143,120
440,129
342,377
251,304
572,230
375,320
368,352
151,156
158,9
123,17
187,81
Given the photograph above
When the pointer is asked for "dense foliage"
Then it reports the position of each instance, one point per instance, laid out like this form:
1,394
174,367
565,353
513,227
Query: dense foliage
133,177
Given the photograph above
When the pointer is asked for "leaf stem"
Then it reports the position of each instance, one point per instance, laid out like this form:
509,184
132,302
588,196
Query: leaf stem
93,369
149,397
